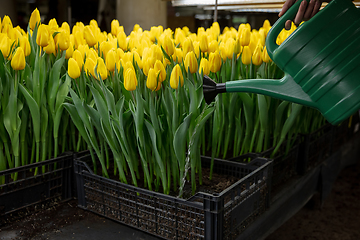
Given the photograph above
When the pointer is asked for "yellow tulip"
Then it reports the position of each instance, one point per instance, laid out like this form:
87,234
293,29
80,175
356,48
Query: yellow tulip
7,21
204,67
63,40
187,46
89,35
121,37
159,67
111,60
65,26
216,28
101,68
265,55
190,62
136,57
196,48
156,52
215,61
119,54
130,81
176,77
115,27
105,48
78,57
237,46
53,26
50,48
94,23
151,81
178,55
69,52
213,46
204,46
168,45
148,63
34,19
229,48
18,60
246,55
256,57
245,36
89,66
43,36
25,44
84,49
73,68
179,36
4,44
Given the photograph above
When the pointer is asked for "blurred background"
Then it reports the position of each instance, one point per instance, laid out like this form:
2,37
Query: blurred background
146,13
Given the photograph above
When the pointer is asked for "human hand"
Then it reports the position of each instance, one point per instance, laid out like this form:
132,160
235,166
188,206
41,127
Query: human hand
305,12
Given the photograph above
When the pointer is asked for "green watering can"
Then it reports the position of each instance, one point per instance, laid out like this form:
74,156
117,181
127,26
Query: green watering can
321,61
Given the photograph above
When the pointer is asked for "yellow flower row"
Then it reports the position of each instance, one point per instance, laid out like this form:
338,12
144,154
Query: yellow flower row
87,46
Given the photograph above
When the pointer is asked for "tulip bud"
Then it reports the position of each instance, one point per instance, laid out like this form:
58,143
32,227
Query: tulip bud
65,26
179,36
78,57
89,66
204,46
4,44
18,60
196,48
187,46
121,37
50,48
215,61
63,40
53,26
73,68
137,59
178,55
176,77
256,57
229,48
34,19
148,64
245,36
159,67
69,52
156,52
191,62
115,27
25,44
111,60
43,36
246,55
204,67
130,81
168,46
101,68
89,35
213,46
265,55
151,81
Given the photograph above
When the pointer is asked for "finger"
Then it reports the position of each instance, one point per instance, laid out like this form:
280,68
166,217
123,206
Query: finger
286,6
316,8
300,14
288,25
309,10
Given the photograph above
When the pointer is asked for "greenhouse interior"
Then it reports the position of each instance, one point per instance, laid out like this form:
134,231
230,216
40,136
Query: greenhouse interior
179,119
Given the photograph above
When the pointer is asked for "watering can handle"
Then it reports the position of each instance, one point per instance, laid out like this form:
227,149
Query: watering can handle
290,14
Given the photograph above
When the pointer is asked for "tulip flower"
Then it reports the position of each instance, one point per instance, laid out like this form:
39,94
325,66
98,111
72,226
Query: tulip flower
25,44
121,37
50,48
156,52
89,35
215,61
65,26
257,56
265,55
115,27
34,19
229,48
196,45
136,57
179,36
69,52
176,77
79,58
111,60
159,68
213,46
89,66
246,55
204,67
245,36
168,46
148,63
4,44
152,81
178,55
43,36
204,46
73,68
187,46
18,60
63,40
191,62
130,81
101,68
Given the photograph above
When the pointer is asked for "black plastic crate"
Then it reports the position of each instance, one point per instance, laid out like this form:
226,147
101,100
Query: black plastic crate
315,148
203,216
52,183
284,165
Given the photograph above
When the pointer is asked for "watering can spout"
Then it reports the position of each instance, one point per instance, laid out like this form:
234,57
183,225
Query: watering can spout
285,89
